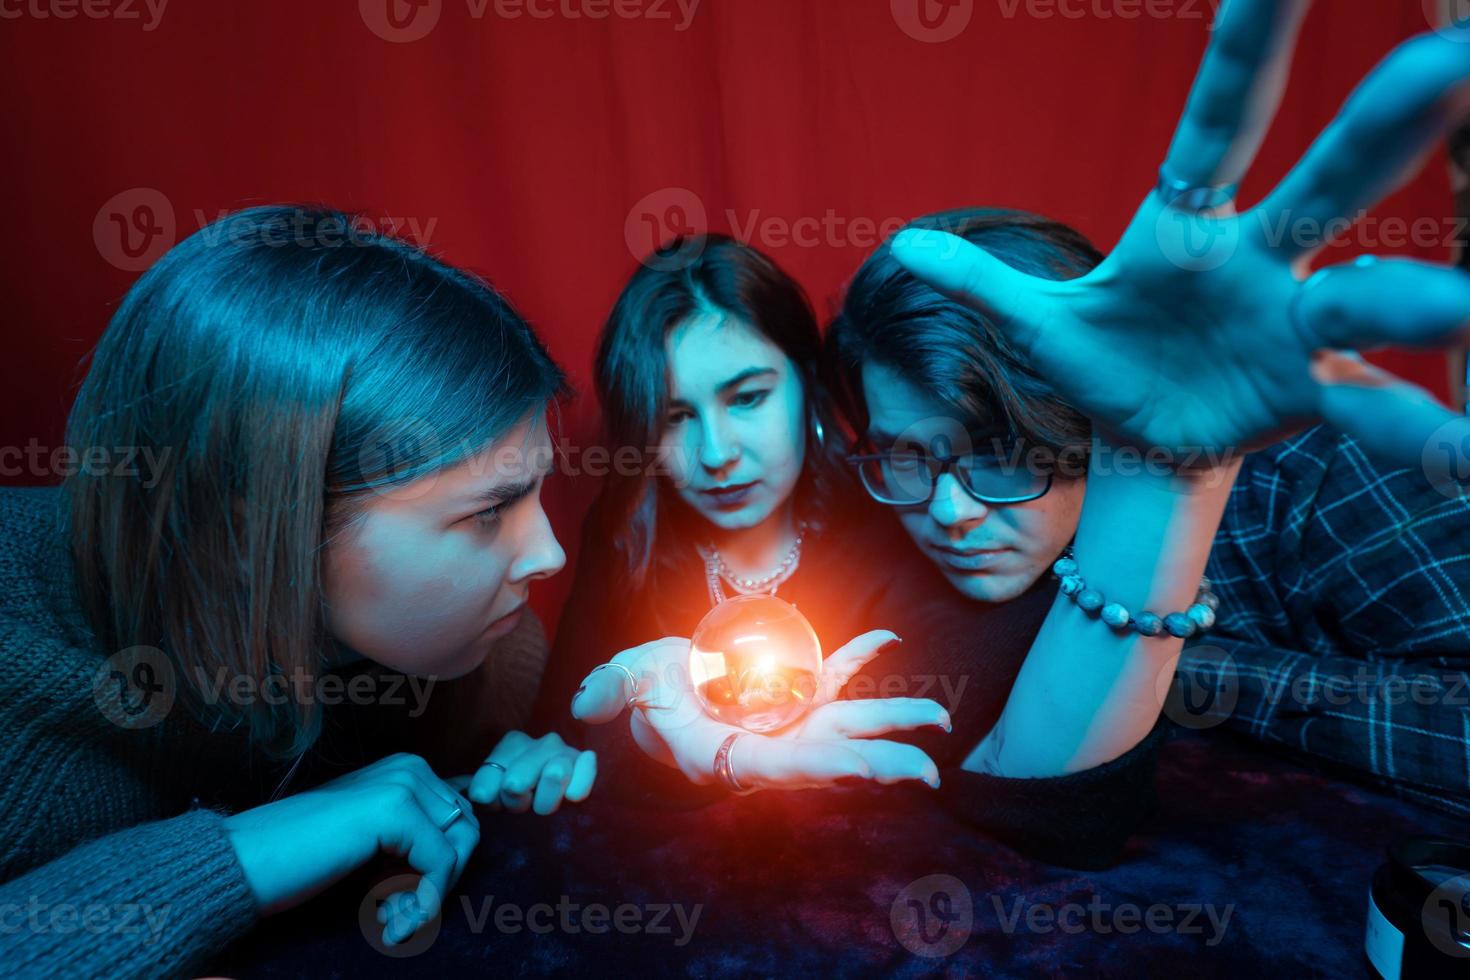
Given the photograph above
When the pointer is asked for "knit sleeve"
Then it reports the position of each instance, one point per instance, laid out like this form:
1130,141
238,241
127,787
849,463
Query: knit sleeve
1080,820
156,899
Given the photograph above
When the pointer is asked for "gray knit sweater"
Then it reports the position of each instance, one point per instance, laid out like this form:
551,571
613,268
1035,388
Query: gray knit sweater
107,868
113,857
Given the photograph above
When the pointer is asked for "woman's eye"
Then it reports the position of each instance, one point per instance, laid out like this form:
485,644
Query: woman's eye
750,399
488,516
678,416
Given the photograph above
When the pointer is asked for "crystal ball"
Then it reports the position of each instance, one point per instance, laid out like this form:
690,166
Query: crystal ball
754,662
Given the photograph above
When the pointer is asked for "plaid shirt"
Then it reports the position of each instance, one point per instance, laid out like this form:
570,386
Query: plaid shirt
1344,625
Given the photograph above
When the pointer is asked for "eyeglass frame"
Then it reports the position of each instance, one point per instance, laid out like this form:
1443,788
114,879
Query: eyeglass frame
948,464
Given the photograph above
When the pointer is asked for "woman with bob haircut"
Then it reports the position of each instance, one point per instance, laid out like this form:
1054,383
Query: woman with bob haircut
323,405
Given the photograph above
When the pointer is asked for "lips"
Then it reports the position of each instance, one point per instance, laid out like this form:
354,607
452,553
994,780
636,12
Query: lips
969,559
730,496
507,623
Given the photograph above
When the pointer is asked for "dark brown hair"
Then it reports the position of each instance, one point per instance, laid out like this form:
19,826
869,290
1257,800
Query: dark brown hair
943,346
706,272
281,363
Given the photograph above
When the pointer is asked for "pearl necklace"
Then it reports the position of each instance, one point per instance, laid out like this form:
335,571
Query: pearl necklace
717,572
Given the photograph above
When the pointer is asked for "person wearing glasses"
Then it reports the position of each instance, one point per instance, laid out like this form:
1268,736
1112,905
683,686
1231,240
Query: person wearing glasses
1200,338
712,357
1343,624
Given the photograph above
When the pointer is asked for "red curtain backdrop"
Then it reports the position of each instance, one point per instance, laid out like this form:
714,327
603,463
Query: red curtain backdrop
547,142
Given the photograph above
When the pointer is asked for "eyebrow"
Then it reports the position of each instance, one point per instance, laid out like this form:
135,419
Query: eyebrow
506,493
878,437
738,380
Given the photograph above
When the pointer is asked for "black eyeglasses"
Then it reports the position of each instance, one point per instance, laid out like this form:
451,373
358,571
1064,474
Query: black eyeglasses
904,478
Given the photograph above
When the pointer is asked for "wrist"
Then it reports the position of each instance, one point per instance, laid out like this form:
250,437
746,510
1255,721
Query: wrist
1173,470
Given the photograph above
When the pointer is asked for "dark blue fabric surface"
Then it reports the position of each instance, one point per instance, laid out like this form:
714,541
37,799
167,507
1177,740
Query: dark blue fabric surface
807,883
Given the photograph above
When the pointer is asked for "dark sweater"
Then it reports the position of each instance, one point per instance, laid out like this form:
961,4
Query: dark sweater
126,824
96,818
865,574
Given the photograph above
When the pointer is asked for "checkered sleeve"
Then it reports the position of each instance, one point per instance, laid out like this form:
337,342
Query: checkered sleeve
1344,629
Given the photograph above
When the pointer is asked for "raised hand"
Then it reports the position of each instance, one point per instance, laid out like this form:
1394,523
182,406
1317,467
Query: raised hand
834,741
1200,331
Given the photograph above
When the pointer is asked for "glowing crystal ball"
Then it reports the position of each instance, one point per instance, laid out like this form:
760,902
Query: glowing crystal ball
755,661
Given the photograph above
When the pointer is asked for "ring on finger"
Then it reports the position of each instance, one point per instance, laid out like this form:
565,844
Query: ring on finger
1182,195
448,821
724,770
634,699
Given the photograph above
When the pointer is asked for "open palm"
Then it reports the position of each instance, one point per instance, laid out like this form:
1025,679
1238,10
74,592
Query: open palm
1200,330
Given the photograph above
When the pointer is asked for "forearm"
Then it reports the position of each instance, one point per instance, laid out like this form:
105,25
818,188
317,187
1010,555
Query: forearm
1402,721
1087,693
154,900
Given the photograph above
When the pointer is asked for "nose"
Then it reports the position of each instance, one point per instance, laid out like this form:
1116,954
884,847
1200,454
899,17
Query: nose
540,555
955,510
718,447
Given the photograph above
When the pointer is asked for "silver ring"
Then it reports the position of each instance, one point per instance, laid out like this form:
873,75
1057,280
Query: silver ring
448,821
496,765
724,770
1184,196
632,682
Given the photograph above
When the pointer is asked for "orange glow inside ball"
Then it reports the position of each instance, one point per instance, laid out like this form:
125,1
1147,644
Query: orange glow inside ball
755,662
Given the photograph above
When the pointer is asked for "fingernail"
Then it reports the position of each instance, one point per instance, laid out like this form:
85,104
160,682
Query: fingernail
933,782
579,693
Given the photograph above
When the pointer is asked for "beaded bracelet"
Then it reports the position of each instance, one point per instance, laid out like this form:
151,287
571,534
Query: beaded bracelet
1196,619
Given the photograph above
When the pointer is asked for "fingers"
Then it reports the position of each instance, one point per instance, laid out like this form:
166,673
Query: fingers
840,667
1399,423
895,762
1378,138
1375,302
1236,91
767,763
485,786
438,803
540,761
551,785
605,691
584,774
974,277
408,832
865,719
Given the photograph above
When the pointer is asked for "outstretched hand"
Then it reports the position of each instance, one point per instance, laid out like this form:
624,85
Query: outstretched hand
1200,330
836,740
